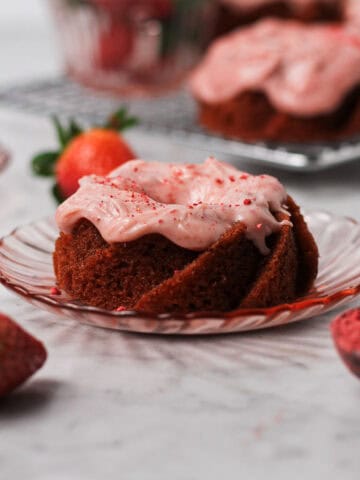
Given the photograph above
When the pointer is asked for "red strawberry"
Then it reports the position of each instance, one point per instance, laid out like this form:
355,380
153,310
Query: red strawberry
345,330
96,151
20,355
115,45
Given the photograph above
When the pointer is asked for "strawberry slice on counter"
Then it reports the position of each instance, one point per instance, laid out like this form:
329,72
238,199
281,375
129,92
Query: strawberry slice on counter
21,355
96,151
345,331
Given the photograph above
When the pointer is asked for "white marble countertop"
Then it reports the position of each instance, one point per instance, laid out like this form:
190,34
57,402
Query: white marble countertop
273,404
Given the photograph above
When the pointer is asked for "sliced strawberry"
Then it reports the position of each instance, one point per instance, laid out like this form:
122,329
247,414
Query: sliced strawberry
20,355
345,330
97,151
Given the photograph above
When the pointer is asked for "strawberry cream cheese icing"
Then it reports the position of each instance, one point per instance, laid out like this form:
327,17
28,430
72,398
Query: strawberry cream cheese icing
191,205
304,70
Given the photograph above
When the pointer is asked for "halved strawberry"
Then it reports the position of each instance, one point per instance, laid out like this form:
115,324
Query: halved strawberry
345,330
21,355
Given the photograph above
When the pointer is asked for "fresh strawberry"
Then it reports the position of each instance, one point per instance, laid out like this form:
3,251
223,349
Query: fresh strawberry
20,355
115,45
95,151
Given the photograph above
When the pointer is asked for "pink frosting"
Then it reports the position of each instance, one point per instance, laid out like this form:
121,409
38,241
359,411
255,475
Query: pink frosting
304,70
252,4
353,16
192,205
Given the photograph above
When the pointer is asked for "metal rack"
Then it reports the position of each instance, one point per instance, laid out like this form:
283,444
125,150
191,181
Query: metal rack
173,115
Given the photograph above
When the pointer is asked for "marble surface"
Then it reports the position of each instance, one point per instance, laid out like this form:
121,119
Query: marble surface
274,404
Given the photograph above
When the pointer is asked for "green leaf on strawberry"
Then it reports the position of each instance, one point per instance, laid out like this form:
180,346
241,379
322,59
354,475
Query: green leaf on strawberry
121,120
66,133
56,192
43,164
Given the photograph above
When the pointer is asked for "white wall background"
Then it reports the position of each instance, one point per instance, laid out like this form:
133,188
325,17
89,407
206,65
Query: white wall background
22,12
27,45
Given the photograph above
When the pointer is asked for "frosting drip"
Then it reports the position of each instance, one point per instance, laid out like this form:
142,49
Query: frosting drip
304,70
191,205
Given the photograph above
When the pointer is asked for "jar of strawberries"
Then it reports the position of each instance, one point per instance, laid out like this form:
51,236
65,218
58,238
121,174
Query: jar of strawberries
132,47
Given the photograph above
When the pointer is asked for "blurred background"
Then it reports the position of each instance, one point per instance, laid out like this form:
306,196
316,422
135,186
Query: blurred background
127,47
27,46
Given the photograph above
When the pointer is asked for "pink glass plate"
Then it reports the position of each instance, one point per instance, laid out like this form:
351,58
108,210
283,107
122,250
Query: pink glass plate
26,268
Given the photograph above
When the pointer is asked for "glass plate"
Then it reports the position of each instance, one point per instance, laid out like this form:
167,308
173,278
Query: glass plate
26,268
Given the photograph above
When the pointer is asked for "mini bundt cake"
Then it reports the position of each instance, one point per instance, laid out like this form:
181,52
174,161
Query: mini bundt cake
160,238
281,81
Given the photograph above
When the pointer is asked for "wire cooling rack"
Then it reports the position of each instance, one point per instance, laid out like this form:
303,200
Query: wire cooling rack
173,115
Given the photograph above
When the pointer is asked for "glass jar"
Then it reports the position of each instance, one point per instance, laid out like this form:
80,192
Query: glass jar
140,47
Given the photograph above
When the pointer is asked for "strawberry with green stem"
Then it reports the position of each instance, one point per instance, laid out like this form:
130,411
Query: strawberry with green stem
98,151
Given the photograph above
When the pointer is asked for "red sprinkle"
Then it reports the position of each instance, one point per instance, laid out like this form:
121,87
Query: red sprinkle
259,226
232,178
247,201
244,176
54,291
219,181
121,309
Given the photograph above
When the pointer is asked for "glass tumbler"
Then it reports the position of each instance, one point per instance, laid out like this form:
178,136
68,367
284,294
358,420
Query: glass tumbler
132,47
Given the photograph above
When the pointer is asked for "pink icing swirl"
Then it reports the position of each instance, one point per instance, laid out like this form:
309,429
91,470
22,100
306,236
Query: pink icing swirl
191,205
304,70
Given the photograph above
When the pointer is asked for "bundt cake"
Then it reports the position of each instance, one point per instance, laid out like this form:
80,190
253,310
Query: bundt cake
157,237
281,81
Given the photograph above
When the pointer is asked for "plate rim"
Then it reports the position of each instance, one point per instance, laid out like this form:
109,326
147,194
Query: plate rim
269,312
